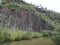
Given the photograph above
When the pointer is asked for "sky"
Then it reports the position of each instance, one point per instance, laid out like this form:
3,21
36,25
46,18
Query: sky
49,4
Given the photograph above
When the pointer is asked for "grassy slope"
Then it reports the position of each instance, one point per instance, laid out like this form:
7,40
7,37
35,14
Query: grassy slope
50,18
15,5
39,41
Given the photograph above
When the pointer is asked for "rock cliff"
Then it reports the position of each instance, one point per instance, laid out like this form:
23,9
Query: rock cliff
25,18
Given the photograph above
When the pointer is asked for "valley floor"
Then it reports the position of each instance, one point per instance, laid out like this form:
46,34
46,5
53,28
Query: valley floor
38,41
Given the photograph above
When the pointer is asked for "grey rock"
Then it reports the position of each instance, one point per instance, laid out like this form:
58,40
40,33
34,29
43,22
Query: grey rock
23,19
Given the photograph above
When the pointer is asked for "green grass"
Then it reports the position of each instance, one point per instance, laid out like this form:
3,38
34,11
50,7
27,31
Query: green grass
50,18
38,41
17,5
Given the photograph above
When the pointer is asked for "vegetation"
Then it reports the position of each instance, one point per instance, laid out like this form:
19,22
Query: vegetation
56,36
12,5
38,41
46,33
51,17
16,35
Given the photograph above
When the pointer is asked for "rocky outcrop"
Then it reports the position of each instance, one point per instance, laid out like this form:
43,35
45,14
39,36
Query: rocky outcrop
22,19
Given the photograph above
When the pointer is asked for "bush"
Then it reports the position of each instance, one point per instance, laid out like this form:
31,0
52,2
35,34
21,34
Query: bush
46,33
16,35
56,36
36,35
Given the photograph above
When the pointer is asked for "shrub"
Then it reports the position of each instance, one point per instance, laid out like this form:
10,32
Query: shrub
36,35
1,37
56,36
46,33
16,35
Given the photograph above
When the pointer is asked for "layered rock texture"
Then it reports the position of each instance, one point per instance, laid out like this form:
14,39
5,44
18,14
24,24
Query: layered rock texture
22,18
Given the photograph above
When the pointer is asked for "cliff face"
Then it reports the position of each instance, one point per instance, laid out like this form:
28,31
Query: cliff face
22,19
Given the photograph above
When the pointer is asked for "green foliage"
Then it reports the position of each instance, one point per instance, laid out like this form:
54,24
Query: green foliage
17,5
51,17
35,35
56,36
46,33
12,35
57,29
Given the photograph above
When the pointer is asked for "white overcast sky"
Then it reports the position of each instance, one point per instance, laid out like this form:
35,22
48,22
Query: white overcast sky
50,4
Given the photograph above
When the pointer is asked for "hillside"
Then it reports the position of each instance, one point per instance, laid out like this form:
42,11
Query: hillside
22,23
50,16
26,16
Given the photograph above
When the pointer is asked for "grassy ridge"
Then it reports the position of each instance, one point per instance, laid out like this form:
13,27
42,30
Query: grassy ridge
17,5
